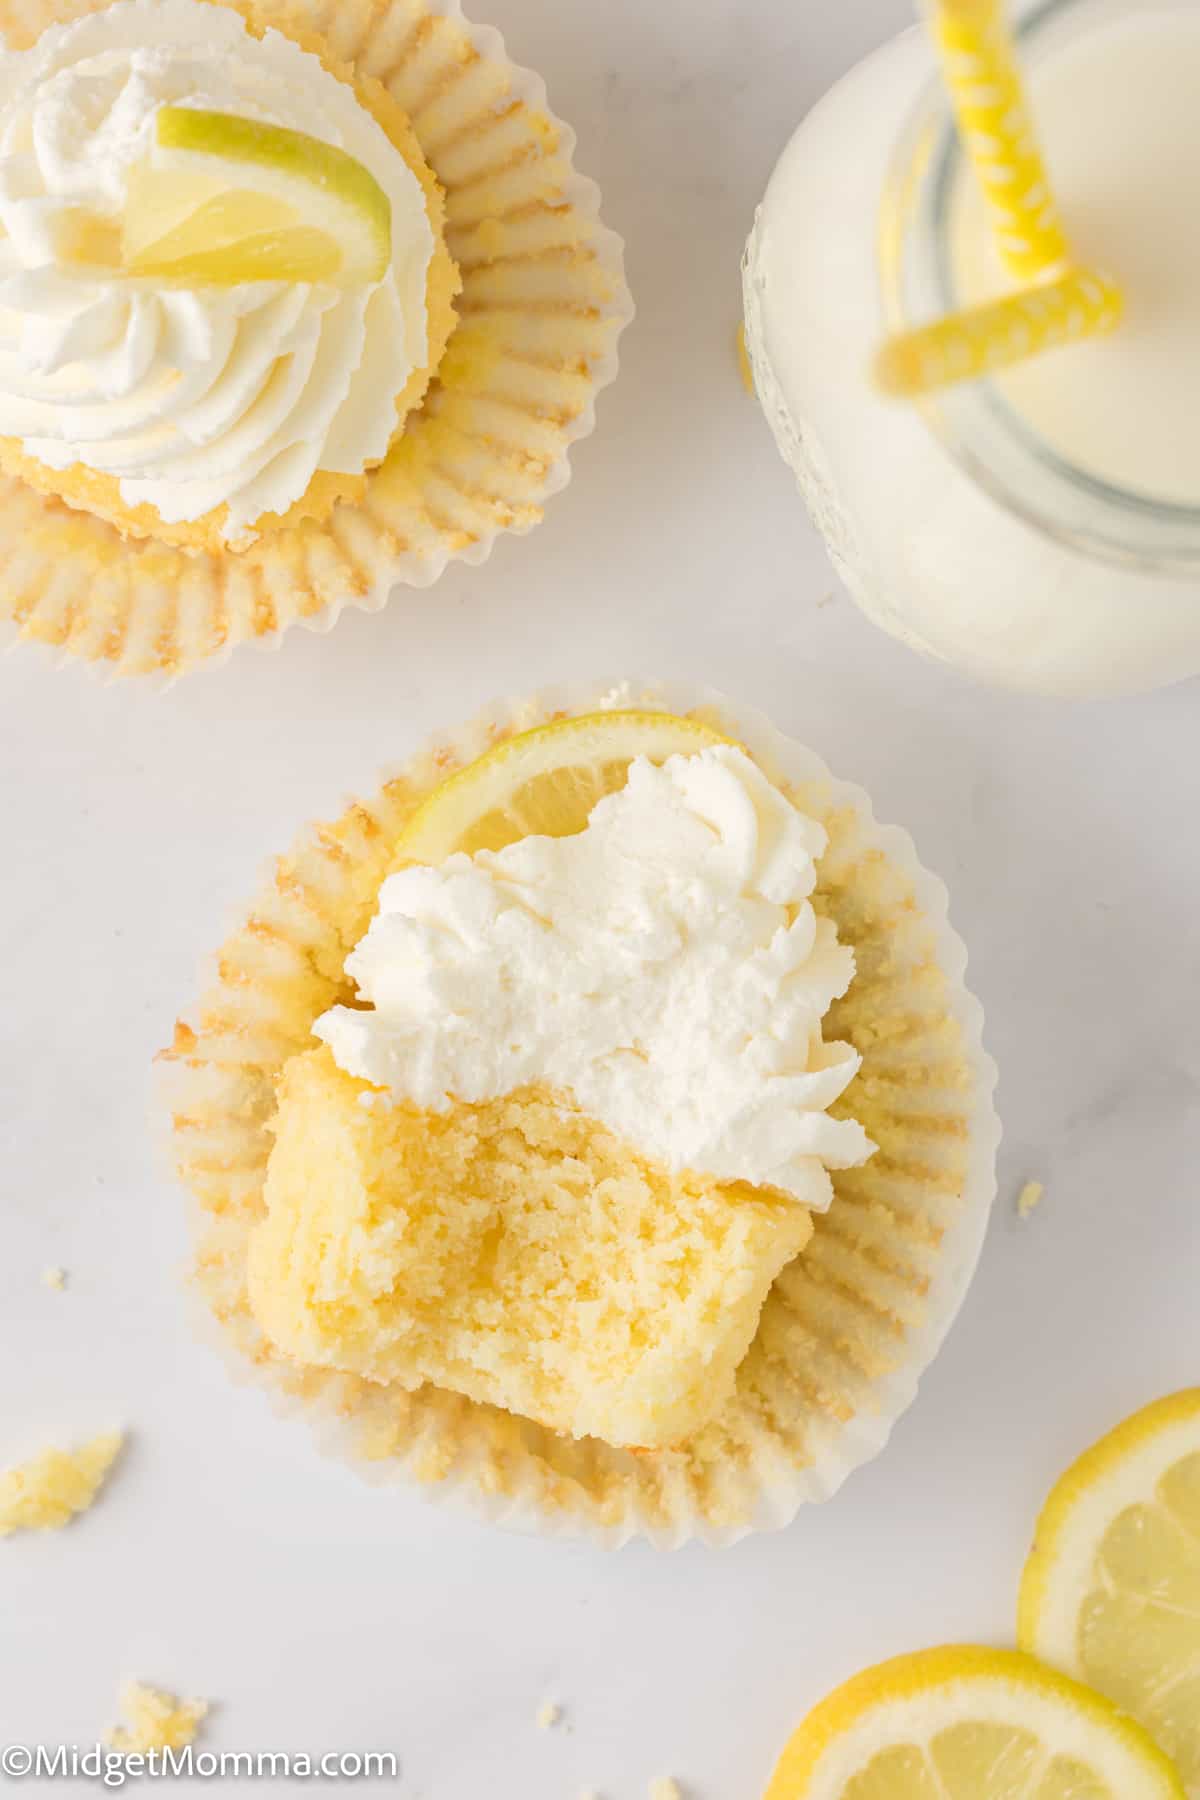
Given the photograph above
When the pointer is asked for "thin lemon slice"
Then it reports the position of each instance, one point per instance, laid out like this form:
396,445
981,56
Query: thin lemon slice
1111,1591
970,1724
228,199
544,782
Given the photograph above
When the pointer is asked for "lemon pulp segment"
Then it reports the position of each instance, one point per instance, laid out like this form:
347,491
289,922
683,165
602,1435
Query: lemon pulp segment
231,199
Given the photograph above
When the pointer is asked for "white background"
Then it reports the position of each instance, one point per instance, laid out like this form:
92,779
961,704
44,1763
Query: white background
230,1560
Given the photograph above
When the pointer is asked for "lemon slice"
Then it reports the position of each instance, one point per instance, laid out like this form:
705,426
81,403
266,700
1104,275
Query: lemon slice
229,199
970,1724
544,782
1111,1592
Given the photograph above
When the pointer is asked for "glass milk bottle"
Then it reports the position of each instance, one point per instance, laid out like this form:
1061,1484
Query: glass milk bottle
1043,530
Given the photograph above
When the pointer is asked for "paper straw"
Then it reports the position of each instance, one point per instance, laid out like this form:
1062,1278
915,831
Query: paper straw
1078,305
984,83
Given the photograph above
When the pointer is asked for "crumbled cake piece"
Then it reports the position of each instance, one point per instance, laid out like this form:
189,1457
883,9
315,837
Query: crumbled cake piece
548,1715
55,1278
1029,1199
515,1252
157,1720
48,1491
665,1787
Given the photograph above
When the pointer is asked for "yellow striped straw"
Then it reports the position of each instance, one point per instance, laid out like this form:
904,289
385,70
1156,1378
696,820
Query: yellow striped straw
980,70
1080,304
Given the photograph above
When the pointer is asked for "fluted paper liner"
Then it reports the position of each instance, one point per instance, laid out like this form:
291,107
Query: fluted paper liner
542,305
848,1327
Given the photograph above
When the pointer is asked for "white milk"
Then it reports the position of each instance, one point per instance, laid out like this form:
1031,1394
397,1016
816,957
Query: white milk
1012,592
1119,117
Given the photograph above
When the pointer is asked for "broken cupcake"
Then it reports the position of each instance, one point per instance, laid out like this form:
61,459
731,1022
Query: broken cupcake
606,1092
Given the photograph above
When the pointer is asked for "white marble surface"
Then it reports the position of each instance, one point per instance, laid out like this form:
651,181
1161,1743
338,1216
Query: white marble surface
229,1560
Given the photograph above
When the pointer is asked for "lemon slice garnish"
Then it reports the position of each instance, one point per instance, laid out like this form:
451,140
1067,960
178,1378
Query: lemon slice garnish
1111,1592
970,1724
544,782
229,199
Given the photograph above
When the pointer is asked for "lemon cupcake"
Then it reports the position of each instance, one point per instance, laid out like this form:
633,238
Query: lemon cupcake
593,1124
295,303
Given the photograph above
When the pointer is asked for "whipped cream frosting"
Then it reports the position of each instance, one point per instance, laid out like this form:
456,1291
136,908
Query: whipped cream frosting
664,967
198,397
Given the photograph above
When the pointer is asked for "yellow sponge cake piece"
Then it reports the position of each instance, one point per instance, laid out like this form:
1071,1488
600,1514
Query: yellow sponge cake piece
47,1492
157,1720
515,1252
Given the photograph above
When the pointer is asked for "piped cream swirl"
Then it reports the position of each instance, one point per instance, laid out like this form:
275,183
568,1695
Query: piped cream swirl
192,398
665,967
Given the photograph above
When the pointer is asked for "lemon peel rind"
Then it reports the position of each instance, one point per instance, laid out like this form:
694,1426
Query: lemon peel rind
1065,1541
486,783
957,1669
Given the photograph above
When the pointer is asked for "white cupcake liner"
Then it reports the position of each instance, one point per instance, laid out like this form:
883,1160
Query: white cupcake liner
849,1327
543,303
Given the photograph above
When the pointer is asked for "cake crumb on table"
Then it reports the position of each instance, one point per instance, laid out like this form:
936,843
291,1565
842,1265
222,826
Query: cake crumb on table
157,1720
55,1278
49,1490
1029,1199
665,1787
548,1715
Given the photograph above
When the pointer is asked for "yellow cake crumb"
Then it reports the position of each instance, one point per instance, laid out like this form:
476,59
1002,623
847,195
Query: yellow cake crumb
665,1787
55,1278
1029,1199
548,1715
49,1490
157,1720
515,1252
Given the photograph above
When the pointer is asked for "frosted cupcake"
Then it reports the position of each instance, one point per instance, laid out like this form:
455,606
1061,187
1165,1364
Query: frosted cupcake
594,1128
293,306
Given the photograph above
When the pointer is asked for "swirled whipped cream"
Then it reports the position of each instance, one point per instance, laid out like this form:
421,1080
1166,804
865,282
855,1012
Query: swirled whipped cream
664,967
193,398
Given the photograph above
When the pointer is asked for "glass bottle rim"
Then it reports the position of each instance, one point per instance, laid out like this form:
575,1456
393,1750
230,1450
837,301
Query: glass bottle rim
987,440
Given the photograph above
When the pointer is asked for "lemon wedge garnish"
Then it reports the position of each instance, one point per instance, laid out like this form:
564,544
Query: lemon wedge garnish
544,782
228,199
970,1724
1111,1592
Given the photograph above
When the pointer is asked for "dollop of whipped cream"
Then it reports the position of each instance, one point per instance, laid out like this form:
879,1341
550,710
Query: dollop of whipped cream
194,398
664,966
